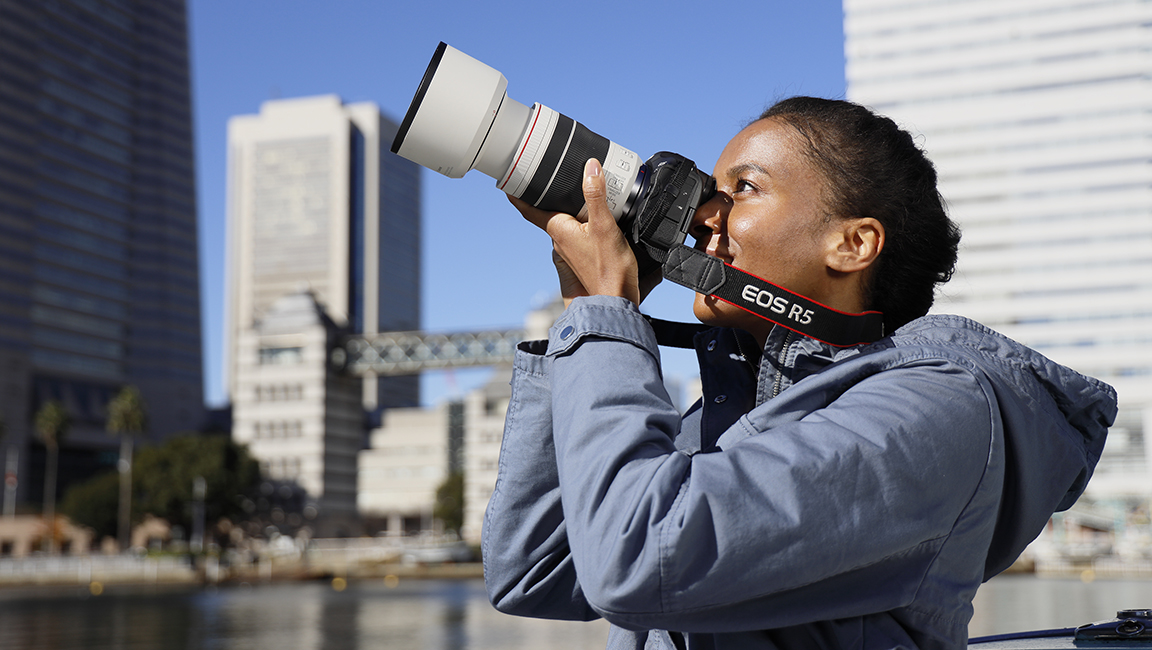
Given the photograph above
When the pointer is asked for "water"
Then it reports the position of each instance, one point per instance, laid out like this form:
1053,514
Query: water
1015,603
419,615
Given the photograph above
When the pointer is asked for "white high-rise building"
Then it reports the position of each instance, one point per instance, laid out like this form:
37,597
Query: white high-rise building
324,235
1038,115
317,201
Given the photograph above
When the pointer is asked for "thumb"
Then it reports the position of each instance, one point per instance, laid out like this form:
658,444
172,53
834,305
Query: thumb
595,195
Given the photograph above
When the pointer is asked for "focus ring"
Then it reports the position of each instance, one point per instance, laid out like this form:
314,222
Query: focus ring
553,153
565,193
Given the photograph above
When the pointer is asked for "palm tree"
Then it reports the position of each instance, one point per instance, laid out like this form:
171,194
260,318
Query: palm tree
52,424
126,418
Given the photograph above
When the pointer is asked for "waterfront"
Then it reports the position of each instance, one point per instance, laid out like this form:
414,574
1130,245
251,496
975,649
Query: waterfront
401,614
418,615
1015,603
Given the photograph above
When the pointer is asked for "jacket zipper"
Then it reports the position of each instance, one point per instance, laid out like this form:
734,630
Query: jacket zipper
744,356
780,372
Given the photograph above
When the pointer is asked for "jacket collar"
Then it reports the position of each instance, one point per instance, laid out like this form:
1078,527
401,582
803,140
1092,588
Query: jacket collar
789,357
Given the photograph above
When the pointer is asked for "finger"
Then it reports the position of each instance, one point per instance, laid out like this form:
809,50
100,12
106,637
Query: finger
535,216
596,196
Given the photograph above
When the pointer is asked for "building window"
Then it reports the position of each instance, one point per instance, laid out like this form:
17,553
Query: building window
280,356
280,392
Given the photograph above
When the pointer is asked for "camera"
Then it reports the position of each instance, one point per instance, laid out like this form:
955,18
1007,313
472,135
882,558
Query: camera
461,118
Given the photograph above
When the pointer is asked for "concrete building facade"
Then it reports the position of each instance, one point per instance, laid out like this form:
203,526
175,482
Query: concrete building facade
408,458
317,207
99,282
317,201
1038,115
301,418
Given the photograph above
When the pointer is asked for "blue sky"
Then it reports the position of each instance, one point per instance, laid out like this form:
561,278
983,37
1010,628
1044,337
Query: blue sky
672,75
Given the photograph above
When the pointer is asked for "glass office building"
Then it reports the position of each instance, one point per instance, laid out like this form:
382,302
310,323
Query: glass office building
1038,115
98,243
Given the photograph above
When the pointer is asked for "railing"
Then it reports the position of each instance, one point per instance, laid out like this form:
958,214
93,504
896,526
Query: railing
85,569
406,353
427,548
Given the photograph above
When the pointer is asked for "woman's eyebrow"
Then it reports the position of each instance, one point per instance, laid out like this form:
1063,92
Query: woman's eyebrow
742,168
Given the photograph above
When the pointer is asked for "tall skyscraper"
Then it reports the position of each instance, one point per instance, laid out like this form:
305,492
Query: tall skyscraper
319,209
98,245
1038,115
317,201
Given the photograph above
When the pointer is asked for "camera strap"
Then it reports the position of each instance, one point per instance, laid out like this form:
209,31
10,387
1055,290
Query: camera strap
709,275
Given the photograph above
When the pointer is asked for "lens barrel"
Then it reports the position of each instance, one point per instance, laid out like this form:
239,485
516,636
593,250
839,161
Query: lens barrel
557,183
461,118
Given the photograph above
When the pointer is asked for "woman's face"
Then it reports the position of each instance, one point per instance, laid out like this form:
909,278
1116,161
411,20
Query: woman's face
768,218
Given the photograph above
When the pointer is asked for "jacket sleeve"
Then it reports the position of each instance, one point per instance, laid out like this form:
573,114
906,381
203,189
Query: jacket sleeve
528,569
812,510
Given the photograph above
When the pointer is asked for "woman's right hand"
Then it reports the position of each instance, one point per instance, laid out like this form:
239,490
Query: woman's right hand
591,255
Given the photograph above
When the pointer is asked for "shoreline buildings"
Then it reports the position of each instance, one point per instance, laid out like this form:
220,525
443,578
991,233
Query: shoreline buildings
324,238
1038,116
99,282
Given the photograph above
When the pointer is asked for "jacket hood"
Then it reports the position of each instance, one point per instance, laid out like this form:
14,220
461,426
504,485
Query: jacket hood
1055,421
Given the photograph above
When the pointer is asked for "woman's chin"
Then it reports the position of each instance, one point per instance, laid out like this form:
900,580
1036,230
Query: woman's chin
710,310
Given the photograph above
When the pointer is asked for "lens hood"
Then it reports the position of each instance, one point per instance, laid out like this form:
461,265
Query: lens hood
451,113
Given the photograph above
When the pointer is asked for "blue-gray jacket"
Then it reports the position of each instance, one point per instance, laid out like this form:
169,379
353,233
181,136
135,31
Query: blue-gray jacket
821,498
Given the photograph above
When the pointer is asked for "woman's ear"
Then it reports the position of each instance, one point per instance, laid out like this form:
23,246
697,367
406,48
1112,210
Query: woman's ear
854,244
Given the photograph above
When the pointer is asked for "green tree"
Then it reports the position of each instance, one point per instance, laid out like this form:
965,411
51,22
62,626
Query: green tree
127,418
93,503
52,423
449,506
164,478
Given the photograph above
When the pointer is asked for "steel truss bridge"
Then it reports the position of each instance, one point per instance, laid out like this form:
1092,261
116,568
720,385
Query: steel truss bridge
409,353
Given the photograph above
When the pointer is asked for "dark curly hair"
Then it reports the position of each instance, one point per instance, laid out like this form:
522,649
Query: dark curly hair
874,169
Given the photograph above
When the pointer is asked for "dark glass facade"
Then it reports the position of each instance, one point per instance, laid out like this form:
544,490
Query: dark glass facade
400,245
99,283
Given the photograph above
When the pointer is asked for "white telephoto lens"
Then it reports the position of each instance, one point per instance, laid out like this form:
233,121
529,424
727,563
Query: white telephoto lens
462,118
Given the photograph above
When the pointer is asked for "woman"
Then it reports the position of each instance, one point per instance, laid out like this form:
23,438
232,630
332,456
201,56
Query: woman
815,497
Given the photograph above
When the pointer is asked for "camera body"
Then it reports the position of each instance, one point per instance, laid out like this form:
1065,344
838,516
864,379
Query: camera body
671,190
461,118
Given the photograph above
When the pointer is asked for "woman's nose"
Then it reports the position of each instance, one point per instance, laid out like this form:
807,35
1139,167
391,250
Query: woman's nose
706,221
